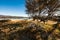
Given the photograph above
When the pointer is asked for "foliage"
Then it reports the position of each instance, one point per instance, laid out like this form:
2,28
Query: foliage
35,7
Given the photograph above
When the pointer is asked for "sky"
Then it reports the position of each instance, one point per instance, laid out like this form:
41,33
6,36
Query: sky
12,7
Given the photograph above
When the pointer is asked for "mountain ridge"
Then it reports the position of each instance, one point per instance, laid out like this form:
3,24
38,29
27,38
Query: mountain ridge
8,16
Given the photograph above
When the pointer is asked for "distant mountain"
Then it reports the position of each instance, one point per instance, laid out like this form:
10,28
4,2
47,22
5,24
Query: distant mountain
5,16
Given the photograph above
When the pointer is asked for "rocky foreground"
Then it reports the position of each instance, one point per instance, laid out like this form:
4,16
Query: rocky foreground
29,30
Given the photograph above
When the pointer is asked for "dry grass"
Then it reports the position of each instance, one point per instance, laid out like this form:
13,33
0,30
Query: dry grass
14,26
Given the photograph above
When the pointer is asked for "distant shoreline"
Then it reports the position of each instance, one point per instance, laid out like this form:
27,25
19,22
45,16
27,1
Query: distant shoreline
15,18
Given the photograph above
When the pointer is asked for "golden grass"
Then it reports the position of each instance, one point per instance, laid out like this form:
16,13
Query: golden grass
25,23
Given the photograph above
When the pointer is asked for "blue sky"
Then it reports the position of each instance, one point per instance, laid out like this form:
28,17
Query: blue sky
12,7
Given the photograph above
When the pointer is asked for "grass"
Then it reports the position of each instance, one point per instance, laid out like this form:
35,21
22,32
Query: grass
16,29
